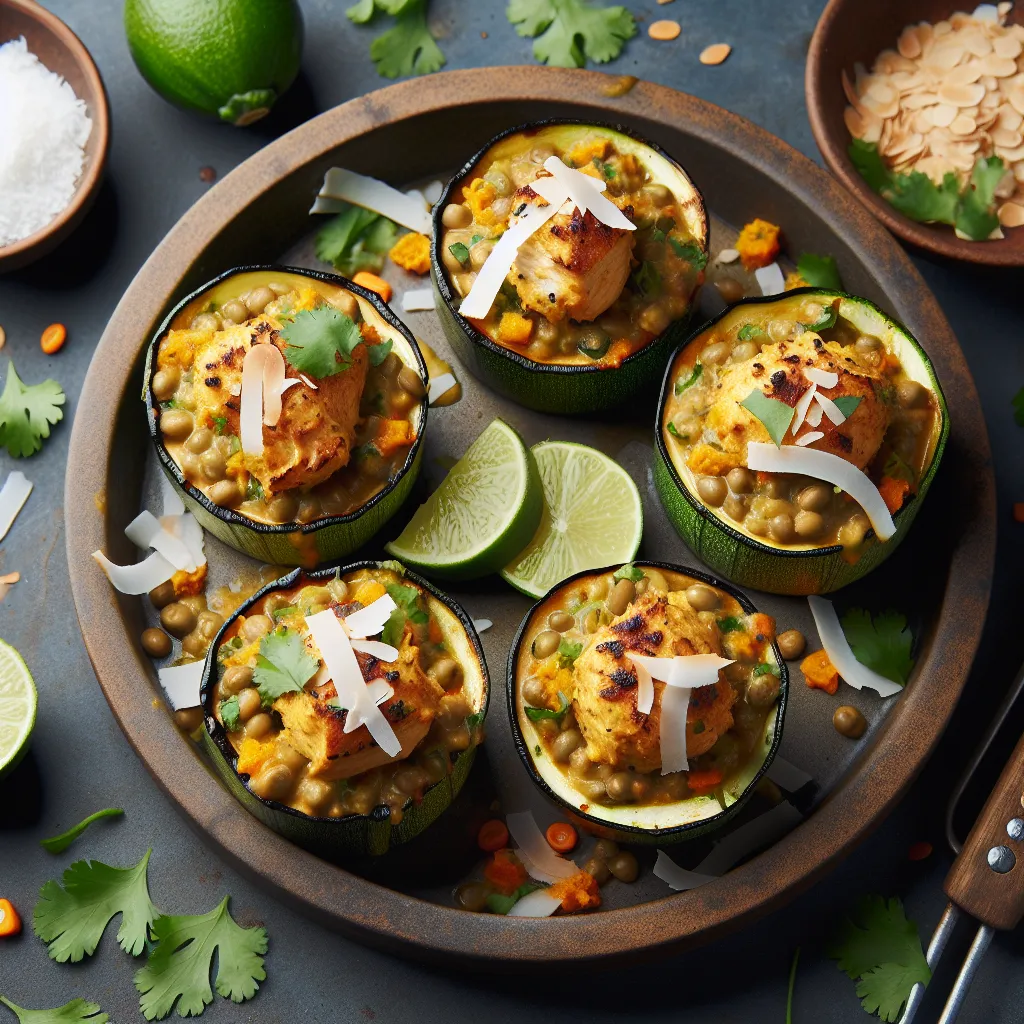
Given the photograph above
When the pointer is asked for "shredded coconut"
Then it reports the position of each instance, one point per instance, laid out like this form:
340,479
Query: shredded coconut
44,127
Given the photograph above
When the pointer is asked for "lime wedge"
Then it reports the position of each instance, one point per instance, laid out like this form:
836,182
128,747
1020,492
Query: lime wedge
17,707
486,510
592,518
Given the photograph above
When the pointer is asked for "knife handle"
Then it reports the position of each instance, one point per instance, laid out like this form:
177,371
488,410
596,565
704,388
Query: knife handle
987,879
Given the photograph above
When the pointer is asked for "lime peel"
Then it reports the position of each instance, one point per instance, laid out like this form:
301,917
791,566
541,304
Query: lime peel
18,702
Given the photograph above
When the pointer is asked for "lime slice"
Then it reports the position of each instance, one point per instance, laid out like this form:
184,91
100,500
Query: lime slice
17,707
487,509
592,518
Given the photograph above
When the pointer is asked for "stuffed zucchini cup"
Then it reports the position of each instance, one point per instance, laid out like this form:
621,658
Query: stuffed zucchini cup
591,303
403,657
340,382
608,743
796,440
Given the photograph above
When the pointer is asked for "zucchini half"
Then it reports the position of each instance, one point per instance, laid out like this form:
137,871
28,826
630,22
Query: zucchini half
757,562
325,538
356,835
554,387
661,824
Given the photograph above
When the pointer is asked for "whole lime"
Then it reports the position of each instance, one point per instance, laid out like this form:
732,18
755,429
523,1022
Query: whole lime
228,58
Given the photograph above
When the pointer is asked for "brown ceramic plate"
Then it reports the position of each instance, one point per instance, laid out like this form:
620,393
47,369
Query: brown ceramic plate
850,31
940,576
62,52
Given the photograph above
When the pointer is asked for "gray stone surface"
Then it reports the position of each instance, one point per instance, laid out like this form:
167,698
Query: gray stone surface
81,761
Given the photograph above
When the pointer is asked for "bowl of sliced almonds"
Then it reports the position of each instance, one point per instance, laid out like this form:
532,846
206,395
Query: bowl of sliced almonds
918,108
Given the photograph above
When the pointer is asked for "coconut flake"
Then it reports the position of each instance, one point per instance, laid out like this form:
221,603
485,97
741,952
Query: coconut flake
728,256
380,690
538,858
675,701
377,196
382,652
787,775
371,620
809,438
644,689
439,386
837,647
497,265
418,299
15,493
140,578
676,877
825,466
482,625
801,408
684,671
352,693
236,389
586,192
170,499
823,378
814,416
829,408
250,417
308,382
755,835
770,279
324,204
146,531
433,192
417,196
187,529
539,903
182,683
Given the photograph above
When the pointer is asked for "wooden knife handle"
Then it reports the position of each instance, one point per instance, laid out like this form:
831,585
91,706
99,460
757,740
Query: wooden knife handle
987,879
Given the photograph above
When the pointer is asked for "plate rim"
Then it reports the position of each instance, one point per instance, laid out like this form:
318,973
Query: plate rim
366,910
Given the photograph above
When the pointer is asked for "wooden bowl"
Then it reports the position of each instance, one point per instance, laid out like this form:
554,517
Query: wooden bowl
62,52
854,30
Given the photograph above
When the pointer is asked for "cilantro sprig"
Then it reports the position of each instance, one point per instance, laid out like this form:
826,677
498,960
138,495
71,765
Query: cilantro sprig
58,844
70,1013
819,271
879,946
409,610
970,210
883,643
321,341
689,251
356,239
628,572
27,411
748,331
284,665
684,385
568,33
539,714
406,49
568,652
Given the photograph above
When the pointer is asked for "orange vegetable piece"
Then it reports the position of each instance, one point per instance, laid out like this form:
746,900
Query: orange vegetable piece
434,632
412,252
373,283
368,592
53,339
920,851
515,329
10,923
493,835
189,584
758,243
893,490
252,755
393,434
578,892
703,781
561,837
819,672
707,461
504,872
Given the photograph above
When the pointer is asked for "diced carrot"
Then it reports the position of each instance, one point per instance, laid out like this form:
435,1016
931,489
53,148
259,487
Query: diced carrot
252,755
758,243
434,631
412,252
561,837
189,584
368,592
53,338
703,781
493,835
373,283
577,892
10,922
819,672
514,328
893,490
505,872
392,435
707,461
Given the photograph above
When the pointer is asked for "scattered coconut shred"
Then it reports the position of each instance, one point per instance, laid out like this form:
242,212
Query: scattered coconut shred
45,128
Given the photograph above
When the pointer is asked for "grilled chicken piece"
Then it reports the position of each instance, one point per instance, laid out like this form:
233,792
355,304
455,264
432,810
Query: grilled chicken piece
574,266
316,729
313,438
605,683
778,369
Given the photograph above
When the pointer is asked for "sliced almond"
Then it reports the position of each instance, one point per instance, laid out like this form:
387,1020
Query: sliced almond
961,95
918,100
1007,187
976,43
854,122
1011,215
1009,119
942,28
962,125
908,44
1011,155
965,74
942,58
715,53
665,30
942,115
999,67
1006,138
1006,46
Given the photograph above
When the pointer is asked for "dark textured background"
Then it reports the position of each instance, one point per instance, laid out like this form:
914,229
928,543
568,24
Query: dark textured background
80,761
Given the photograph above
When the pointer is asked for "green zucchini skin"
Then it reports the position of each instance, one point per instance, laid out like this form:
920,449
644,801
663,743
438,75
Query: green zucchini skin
591,819
757,563
542,387
358,835
327,538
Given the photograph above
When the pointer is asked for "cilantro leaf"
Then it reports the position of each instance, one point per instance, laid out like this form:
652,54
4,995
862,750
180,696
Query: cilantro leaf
917,196
674,431
356,239
58,844
72,919
284,665
825,321
321,341
883,645
1018,408
27,412
847,403
869,164
219,424
408,48
976,216
568,652
775,415
689,251
69,1013
881,947
731,624
361,12
748,331
568,32
628,572
408,610
378,353
539,714
230,715
818,271
460,251
180,965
